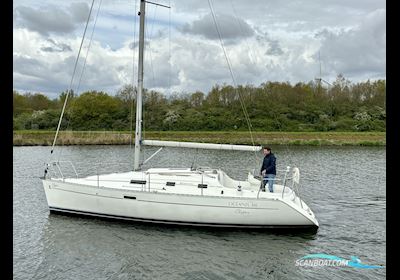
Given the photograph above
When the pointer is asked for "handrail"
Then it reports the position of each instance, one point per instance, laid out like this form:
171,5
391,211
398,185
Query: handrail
59,169
201,171
285,179
149,182
204,168
98,180
72,165
57,164
298,193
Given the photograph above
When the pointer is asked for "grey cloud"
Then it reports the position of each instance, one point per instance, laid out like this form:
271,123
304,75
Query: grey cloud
164,75
272,45
274,48
229,26
202,65
55,47
52,19
280,34
50,49
27,66
297,15
34,75
40,76
241,7
79,11
358,50
40,71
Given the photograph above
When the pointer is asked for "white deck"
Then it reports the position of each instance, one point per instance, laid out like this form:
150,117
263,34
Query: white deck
186,183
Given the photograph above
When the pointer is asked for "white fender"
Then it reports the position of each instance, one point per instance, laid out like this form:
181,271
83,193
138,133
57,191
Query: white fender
296,175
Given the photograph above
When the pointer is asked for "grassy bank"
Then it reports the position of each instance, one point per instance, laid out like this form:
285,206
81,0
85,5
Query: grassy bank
44,138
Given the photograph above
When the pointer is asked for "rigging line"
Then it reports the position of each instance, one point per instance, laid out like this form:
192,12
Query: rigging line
156,4
150,52
194,159
289,153
250,50
230,69
229,65
169,48
285,142
72,79
90,43
84,66
320,70
151,65
233,78
133,75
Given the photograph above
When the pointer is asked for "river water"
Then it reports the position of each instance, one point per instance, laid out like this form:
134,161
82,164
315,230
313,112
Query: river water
344,186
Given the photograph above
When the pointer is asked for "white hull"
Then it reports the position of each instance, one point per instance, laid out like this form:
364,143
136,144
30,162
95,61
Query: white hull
115,196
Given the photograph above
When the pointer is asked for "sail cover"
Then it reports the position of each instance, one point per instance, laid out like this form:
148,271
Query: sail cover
196,145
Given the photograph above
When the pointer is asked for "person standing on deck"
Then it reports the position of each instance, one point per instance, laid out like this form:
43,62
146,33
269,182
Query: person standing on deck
268,169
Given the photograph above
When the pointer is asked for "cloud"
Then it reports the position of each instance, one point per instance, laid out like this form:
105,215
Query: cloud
52,19
79,11
265,41
274,48
358,50
41,62
53,46
229,27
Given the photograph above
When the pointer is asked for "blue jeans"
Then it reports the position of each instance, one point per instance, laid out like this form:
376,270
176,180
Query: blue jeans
266,180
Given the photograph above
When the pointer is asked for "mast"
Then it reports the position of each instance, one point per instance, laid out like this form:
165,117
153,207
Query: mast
138,129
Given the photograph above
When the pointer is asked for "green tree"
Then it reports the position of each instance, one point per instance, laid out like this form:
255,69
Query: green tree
94,110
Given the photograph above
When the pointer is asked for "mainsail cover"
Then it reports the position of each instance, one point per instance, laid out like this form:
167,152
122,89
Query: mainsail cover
196,145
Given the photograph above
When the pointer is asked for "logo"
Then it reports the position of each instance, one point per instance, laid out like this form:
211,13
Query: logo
331,260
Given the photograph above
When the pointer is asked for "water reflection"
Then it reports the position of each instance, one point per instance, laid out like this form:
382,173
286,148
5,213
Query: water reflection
69,242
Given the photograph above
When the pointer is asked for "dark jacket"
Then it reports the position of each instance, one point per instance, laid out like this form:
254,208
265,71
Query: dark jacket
269,164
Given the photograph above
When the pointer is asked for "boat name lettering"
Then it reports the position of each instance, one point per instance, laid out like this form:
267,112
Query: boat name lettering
242,212
242,204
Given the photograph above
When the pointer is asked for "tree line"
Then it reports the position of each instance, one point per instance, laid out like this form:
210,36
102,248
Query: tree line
272,106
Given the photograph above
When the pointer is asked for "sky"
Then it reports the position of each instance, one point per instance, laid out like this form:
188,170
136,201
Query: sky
264,40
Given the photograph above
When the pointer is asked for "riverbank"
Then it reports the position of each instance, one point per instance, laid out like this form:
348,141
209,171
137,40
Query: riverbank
45,138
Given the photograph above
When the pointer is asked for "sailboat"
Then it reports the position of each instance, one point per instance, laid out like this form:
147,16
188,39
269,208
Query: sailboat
183,196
